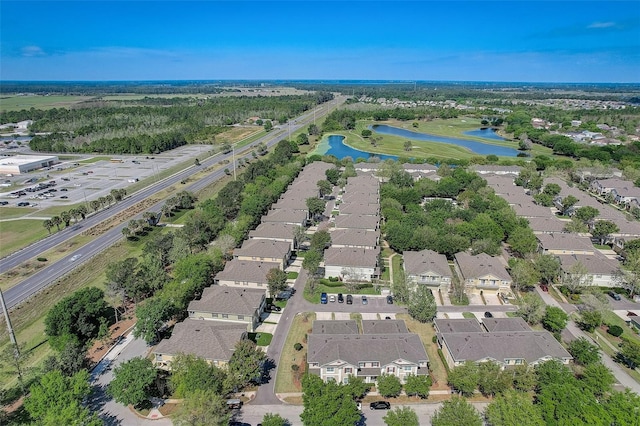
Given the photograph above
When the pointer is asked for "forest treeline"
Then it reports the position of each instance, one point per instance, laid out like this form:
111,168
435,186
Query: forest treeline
152,125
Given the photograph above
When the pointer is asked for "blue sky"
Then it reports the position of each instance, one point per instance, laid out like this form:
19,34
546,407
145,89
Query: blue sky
542,41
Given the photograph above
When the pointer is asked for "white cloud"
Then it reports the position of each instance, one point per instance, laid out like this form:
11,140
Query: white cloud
32,51
602,25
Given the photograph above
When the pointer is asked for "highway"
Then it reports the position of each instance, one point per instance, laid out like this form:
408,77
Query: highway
48,275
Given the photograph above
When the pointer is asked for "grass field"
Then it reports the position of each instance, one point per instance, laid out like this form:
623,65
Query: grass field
17,234
285,380
17,103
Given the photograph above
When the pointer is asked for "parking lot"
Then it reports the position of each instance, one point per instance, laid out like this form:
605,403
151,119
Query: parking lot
81,181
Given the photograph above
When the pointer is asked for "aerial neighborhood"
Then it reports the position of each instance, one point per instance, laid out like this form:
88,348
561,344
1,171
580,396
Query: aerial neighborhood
245,272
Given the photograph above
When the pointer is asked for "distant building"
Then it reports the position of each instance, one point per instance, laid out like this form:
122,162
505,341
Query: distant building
18,164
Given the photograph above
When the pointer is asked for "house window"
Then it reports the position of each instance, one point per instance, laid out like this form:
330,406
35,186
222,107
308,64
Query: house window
241,317
345,380
518,361
391,369
330,369
361,364
214,315
408,368
348,370
225,315
375,364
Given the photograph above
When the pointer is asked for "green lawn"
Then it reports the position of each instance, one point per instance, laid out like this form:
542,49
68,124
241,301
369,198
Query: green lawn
261,339
300,327
17,103
292,275
17,234
397,267
468,315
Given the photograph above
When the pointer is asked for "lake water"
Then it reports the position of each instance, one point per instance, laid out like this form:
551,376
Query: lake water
485,132
333,145
474,146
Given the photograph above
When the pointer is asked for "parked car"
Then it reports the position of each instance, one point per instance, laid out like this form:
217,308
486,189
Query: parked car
349,299
340,298
64,196
323,298
63,189
4,203
234,404
390,299
544,287
274,308
380,405
364,300
332,298
614,295
387,317
488,315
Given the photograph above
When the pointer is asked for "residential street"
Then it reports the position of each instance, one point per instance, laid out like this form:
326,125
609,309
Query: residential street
621,376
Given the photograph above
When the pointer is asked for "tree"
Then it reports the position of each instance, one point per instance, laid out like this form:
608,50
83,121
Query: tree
551,372
316,206
13,361
630,353
324,188
357,387
66,218
464,378
576,277
202,407
603,228
628,277
565,403
151,316
523,241
276,281
246,364
587,213
326,403
76,317
400,287
121,278
366,133
597,378
302,139
57,400
388,385
491,379
268,126
408,145
623,407
190,373
422,304
333,175
548,266
418,385
524,378
57,221
567,203
132,380
311,261
513,409
590,320
531,308
584,352
456,412
271,419
404,416
313,130
48,224
523,274
300,236
555,319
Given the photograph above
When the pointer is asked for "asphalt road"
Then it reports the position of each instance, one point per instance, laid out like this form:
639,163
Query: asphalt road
51,273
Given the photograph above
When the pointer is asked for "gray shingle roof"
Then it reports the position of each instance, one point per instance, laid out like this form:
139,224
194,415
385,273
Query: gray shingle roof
505,324
359,208
357,221
212,340
285,216
481,265
596,263
528,345
354,237
383,327
335,327
273,230
263,248
246,271
351,257
426,261
457,325
325,348
228,300
564,241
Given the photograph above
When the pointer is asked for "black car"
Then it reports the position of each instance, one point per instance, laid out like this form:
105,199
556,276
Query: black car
274,308
340,298
488,315
380,405
614,295
349,299
390,300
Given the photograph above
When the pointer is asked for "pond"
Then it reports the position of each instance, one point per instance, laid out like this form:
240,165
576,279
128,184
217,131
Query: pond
474,146
333,145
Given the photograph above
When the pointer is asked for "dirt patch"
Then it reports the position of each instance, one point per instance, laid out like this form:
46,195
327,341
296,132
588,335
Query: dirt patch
99,348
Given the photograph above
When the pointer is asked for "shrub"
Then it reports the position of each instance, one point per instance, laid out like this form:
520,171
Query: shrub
295,367
297,346
42,259
333,279
434,339
615,330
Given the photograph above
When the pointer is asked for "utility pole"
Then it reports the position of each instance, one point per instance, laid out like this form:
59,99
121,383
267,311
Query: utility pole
233,155
12,336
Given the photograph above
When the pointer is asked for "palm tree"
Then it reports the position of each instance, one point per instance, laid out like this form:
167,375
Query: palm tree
83,210
95,205
102,201
75,214
66,218
48,224
109,199
56,221
126,232
133,226
166,210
